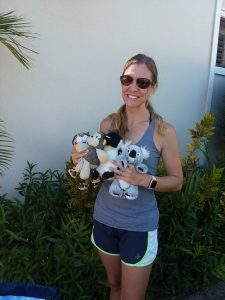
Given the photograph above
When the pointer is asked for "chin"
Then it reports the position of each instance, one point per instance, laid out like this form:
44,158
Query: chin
133,104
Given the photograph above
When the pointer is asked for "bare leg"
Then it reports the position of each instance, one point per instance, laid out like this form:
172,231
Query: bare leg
112,265
134,282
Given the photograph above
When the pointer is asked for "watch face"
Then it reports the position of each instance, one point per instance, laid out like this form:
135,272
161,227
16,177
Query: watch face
153,184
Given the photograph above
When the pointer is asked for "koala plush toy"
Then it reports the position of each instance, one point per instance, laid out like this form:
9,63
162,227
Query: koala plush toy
129,154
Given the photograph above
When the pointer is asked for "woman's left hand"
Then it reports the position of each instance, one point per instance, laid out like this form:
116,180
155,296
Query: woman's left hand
128,174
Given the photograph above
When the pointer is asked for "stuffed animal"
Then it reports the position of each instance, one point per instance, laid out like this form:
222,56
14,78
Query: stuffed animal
79,143
86,167
129,154
111,149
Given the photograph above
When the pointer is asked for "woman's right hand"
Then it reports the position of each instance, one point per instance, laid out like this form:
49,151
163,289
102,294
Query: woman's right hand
76,156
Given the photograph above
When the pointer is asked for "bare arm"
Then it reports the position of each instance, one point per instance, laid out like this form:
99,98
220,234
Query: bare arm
105,125
172,162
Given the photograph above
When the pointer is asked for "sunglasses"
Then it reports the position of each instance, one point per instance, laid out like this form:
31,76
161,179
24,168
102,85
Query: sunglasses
142,83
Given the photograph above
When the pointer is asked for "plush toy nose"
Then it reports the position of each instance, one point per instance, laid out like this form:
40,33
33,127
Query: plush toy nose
132,153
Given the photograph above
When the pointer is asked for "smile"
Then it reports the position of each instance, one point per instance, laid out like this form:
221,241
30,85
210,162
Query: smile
132,97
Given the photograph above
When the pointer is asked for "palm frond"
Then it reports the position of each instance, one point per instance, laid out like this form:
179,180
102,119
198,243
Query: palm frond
12,28
6,148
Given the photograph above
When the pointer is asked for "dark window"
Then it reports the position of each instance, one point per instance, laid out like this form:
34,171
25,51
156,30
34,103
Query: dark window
220,58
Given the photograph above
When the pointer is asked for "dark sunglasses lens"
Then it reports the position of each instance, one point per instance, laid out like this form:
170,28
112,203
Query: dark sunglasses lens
126,80
143,83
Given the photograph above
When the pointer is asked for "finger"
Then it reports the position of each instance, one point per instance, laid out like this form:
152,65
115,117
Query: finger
116,171
130,166
117,164
76,154
81,153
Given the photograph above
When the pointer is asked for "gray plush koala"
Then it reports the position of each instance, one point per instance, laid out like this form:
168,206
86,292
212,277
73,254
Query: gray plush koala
129,154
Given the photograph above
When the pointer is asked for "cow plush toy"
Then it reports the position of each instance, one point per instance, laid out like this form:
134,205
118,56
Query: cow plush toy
86,167
111,149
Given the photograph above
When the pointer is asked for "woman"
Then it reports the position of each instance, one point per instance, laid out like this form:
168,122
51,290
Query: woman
125,231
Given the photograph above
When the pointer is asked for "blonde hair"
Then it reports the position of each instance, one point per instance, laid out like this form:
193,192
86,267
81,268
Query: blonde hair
119,119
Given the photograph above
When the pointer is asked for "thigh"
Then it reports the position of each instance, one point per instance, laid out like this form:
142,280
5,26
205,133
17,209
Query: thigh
138,251
106,241
134,282
112,266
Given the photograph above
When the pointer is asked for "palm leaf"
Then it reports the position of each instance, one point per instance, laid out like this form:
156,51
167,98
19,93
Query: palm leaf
12,29
6,148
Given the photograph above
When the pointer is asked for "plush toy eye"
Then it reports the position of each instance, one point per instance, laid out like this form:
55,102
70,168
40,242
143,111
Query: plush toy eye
119,151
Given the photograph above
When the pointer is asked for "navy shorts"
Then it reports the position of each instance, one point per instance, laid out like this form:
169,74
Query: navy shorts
135,248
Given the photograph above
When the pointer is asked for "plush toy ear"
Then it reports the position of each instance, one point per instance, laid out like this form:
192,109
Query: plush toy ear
145,152
124,144
74,139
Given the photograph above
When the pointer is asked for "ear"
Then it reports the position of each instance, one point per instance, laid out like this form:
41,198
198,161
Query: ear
145,152
74,139
127,143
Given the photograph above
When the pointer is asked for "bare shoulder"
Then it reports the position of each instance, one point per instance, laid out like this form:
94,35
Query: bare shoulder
168,129
106,124
167,137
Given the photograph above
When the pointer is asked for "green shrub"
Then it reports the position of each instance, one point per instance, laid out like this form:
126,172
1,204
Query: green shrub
42,243
81,203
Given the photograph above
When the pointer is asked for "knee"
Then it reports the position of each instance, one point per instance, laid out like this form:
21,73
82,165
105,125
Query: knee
115,284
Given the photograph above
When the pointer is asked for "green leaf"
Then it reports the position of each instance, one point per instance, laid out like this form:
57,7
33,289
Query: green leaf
6,149
13,28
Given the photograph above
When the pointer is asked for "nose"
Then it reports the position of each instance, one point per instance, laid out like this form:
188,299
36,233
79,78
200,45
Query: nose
132,153
133,85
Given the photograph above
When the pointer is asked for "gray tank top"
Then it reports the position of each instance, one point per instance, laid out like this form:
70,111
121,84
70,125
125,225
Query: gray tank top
140,214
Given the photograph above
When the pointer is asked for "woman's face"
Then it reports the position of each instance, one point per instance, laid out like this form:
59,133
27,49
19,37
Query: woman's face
134,96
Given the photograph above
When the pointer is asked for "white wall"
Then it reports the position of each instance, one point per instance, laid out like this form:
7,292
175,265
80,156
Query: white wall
74,81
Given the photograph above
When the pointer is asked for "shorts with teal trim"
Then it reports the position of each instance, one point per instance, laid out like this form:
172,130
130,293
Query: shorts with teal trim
135,248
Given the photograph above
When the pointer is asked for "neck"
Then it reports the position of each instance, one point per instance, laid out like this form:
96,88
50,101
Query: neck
137,115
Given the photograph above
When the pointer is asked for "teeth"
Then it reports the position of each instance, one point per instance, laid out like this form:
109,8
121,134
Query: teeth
132,97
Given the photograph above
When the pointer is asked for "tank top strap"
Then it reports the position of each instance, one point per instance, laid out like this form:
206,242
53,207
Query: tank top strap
150,130
151,126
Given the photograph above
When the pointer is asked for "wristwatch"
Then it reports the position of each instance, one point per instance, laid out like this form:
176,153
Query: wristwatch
152,183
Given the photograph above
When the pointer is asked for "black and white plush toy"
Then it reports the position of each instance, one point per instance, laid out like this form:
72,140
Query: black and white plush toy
86,167
129,154
111,149
79,143
93,157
